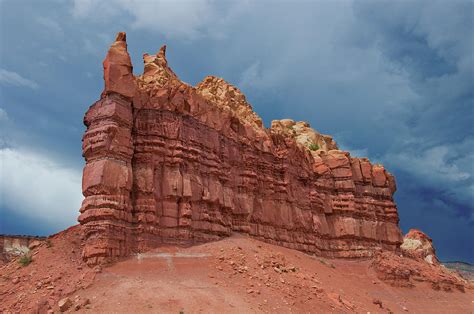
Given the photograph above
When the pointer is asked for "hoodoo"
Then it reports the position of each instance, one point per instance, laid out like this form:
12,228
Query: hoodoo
167,162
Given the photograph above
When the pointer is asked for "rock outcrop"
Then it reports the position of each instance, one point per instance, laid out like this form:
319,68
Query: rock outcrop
401,271
304,135
417,263
416,244
167,162
12,246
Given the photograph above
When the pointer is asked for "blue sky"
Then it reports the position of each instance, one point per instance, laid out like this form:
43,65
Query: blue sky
392,81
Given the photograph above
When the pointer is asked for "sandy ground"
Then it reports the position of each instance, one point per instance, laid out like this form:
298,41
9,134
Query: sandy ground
242,275
56,270
234,275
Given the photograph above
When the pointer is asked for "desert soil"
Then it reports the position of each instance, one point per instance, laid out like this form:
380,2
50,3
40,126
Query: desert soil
234,275
239,275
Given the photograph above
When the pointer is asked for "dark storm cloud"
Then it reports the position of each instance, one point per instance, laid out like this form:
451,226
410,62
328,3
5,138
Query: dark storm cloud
390,80
432,43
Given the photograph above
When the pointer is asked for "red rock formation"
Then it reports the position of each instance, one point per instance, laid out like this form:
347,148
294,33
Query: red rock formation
418,245
401,271
107,211
169,162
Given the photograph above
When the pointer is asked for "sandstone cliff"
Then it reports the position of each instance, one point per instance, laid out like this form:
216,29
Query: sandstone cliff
169,162
417,244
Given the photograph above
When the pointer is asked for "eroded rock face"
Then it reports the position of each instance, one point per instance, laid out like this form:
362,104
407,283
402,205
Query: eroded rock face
12,246
402,271
417,244
118,71
169,162
228,97
304,135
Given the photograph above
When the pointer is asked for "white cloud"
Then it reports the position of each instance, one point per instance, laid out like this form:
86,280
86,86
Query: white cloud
432,163
95,8
3,115
4,119
250,76
38,187
181,19
178,19
15,79
50,25
445,168
90,48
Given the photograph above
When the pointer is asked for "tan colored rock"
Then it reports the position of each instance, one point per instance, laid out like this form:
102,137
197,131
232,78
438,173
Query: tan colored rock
228,98
64,304
12,246
402,271
156,71
304,135
417,244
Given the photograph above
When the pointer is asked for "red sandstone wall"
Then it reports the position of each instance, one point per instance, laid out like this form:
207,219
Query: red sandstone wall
168,162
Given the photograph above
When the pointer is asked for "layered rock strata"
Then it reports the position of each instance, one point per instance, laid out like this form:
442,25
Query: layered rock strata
417,244
167,162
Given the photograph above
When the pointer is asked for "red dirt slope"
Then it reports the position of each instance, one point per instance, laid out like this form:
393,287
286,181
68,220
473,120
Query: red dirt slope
56,270
235,275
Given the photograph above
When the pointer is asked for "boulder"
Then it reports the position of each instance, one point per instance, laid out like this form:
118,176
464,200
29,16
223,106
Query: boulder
64,304
417,244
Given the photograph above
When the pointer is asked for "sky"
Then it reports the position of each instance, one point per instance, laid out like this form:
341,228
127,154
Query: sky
389,80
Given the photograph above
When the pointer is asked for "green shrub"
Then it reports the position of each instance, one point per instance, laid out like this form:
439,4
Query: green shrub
25,260
313,146
49,243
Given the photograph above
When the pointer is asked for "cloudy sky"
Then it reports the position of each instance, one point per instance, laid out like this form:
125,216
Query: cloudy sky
392,81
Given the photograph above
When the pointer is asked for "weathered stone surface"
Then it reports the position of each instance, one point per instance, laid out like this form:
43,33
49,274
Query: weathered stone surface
106,211
12,246
304,135
399,270
118,71
418,245
230,98
64,304
168,162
